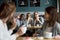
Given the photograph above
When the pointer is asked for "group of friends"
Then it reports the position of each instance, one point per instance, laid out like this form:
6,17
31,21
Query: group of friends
48,21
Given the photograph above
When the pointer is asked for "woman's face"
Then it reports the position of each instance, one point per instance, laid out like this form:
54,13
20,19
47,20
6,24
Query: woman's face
28,15
46,16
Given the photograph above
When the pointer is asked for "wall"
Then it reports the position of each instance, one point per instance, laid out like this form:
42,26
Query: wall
40,9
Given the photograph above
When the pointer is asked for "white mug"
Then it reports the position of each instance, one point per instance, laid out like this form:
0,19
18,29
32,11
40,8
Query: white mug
48,34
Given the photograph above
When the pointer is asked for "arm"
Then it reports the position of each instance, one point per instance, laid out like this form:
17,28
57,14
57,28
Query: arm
3,32
11,30
58,28
23,27
20,32
58,31
13,26
42,20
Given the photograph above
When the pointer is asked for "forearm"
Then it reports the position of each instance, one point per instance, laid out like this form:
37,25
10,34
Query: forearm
14,36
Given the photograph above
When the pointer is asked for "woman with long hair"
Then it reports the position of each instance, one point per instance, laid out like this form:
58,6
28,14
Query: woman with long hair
6,12
29,19
51,24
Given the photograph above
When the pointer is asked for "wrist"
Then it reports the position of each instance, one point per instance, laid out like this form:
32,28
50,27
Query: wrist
17,35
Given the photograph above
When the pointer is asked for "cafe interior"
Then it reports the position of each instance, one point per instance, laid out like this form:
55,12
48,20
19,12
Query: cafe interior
33,19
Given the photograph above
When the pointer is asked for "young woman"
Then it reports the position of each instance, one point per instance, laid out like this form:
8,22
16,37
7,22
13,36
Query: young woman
29,19
28,24
6,12
22,20
51,24
37,20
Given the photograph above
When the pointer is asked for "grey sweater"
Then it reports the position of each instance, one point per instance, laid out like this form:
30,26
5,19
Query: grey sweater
55,29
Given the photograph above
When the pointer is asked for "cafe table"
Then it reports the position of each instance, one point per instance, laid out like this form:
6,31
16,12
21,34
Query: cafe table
24,38
34,27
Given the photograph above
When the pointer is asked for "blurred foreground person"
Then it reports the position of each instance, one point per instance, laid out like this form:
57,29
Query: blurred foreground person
51,25
6,12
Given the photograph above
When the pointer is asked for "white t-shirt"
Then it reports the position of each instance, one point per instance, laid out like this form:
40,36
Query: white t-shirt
4,33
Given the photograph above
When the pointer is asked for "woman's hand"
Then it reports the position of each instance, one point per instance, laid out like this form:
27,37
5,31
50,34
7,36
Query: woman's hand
37,19
21,31
57,37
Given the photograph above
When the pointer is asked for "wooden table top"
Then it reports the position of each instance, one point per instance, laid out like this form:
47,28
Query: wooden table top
21,38
34,27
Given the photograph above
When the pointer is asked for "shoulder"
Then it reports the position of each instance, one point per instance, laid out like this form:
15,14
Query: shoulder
57,24
1,22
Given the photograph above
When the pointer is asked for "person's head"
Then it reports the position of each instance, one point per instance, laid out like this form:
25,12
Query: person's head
51,15
7,10
28,15
22,16
36,14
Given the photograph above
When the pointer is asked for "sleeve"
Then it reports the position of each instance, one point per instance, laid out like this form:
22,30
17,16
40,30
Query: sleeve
10,31
23,29
18,23
58,29
2,32
42,20
4,35
25,23
13,37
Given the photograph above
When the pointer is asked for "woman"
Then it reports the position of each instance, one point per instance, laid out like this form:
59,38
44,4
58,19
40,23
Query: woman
6,12
36,20
22,20
35,13
29,19
51,24
29,23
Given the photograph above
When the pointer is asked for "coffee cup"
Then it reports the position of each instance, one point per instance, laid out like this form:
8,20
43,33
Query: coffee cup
48,34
